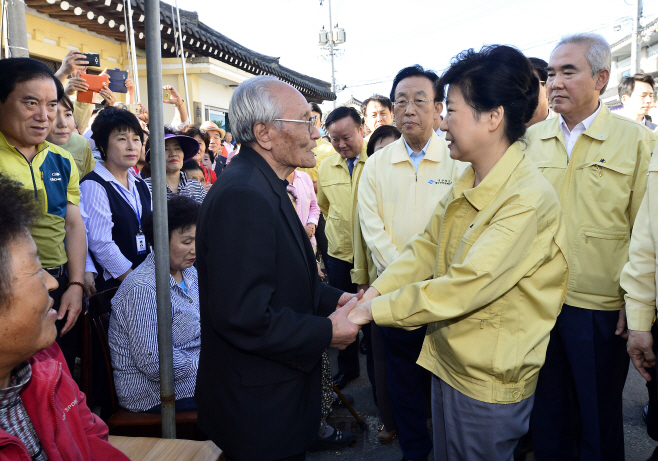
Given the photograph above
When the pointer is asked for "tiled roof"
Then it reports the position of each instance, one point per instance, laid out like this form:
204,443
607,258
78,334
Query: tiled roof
199,40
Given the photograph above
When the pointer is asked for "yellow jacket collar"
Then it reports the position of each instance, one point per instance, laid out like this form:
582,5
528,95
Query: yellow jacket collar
337,160
5,146
481,195
599,129
435,151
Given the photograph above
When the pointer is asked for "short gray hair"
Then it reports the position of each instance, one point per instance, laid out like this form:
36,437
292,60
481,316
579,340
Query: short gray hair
252,102
598,51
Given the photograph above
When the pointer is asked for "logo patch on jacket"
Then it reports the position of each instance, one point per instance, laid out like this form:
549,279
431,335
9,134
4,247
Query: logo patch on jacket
441,182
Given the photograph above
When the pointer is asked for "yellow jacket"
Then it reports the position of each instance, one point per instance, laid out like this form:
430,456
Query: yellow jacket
337,195
323,150
638,278
489,276
600,190
396,202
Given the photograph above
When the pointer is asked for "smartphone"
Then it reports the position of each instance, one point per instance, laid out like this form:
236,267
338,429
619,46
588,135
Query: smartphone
118,80
166,94
132,108
94,59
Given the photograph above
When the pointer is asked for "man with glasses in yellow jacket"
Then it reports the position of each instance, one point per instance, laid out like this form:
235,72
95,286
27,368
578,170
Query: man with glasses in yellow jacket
338,182
597,162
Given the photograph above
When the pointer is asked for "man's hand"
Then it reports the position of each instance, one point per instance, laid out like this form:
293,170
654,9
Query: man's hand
73,63
310,229
347,297
640,349
362,287
622,330
344,332
90,284
75,84
175,99
71,302
108,95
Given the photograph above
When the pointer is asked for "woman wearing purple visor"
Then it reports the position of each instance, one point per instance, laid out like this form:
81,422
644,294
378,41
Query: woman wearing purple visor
178,149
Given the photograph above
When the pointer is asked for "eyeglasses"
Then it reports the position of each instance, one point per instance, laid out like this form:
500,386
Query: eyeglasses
403,103
311,122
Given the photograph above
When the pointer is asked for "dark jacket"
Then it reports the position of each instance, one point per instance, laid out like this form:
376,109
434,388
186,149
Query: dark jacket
263,309
67,429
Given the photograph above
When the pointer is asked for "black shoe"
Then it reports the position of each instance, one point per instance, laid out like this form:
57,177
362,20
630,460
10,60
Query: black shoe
339,439
341,379
364,346
338,402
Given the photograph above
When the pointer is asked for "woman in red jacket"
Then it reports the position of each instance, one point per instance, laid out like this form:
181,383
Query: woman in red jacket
43,414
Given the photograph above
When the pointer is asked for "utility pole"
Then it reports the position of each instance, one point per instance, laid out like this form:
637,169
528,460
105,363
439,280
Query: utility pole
635,38
331,52
332,39
16,29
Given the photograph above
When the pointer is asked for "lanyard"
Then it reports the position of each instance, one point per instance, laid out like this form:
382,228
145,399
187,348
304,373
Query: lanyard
139,219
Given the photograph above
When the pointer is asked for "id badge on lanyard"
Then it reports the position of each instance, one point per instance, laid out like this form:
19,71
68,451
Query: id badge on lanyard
141,243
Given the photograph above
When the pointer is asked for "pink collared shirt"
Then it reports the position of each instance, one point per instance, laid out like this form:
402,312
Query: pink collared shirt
307,203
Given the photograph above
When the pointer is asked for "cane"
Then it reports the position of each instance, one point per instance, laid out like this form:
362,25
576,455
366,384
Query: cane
362,425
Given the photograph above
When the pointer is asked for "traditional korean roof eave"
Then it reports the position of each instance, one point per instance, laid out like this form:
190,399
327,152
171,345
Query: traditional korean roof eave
199,40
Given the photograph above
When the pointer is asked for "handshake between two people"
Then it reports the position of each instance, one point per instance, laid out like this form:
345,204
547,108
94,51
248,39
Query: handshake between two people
353,311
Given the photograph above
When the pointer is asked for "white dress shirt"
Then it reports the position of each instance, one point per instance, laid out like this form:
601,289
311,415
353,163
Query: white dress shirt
570,137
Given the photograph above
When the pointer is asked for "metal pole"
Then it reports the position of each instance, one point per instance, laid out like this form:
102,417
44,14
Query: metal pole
182,58
331,51
132,48
3,28
160,230
16,29
635,38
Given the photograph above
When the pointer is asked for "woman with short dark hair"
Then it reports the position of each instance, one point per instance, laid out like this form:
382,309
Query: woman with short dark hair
114,201
43,414
133,331
488,275
178,149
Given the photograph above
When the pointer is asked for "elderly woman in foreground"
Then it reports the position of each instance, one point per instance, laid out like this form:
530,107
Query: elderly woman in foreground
133,332
43,414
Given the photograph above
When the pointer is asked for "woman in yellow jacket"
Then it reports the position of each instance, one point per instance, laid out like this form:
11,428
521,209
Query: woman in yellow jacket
488,275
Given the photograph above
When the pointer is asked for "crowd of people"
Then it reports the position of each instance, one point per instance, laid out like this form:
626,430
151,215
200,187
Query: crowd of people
489,231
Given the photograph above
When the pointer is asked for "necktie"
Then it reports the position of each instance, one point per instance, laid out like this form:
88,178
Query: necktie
350,165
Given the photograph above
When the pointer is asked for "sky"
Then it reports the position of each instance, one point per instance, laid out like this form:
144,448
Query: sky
386,35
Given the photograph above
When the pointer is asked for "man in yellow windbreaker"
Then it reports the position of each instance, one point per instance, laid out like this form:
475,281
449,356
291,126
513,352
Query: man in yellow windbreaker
597,162
638,279
338,182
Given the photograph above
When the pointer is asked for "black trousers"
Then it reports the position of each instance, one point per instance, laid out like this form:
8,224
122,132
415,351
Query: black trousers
581,382
70,342
339,277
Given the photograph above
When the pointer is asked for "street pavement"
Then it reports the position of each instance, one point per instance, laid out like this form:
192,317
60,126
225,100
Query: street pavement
638,445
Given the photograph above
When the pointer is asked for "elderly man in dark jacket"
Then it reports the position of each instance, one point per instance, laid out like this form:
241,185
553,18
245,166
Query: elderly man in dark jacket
264,310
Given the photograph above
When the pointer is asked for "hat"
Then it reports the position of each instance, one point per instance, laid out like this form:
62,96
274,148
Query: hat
212,126
189,145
